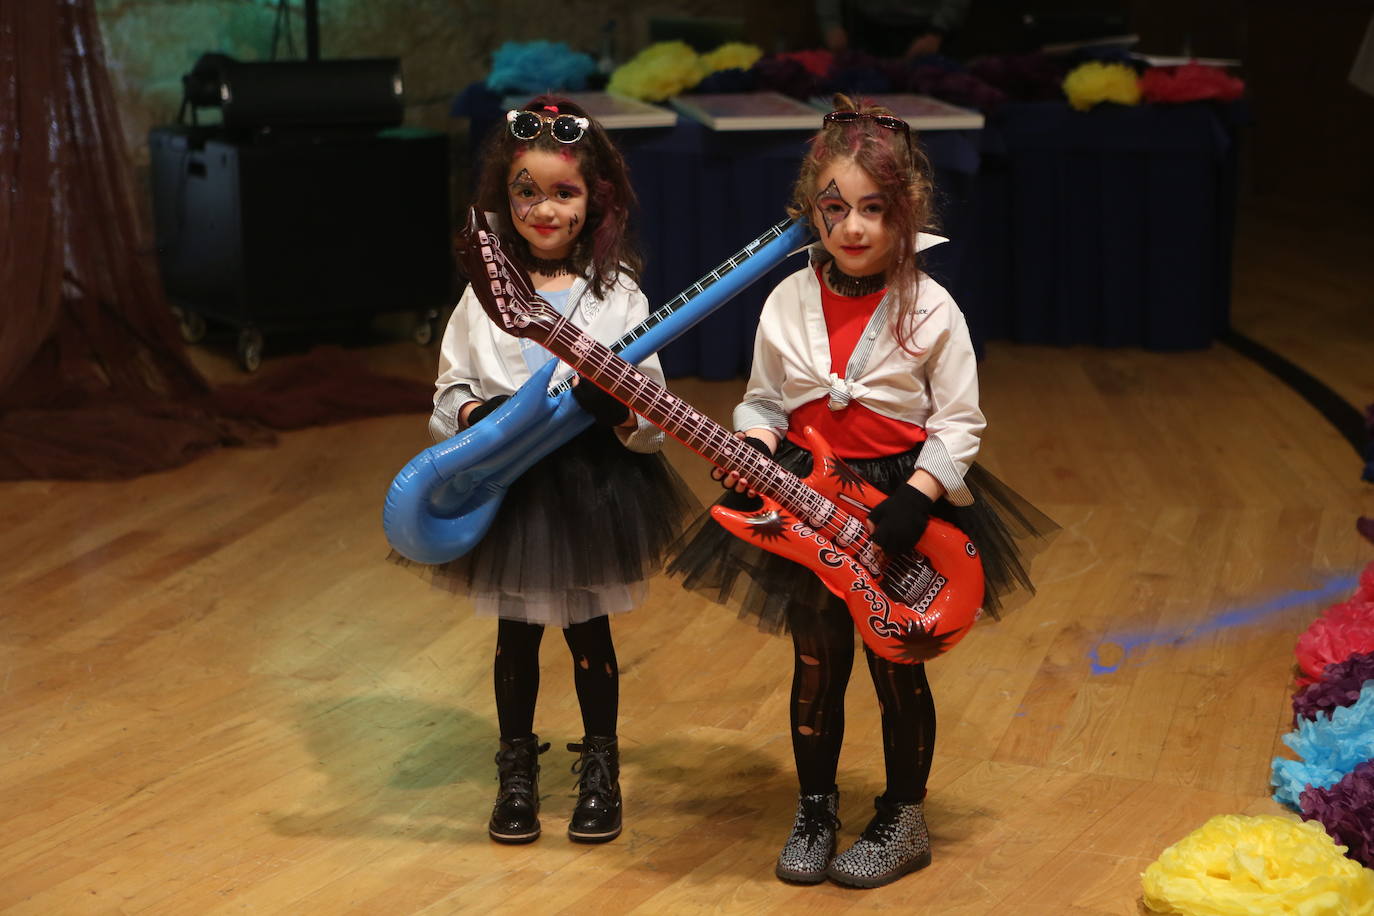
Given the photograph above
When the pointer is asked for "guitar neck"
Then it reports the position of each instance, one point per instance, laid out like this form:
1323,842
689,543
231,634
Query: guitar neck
682,421
658,315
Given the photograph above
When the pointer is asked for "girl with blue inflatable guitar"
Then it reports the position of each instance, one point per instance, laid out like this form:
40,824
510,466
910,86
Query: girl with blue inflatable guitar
560,198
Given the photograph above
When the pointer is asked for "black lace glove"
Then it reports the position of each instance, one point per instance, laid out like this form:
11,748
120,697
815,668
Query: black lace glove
485,408
606,410
743,502
901,519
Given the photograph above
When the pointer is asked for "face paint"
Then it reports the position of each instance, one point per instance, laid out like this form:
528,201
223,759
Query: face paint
832,206
856,235
525,195
548,202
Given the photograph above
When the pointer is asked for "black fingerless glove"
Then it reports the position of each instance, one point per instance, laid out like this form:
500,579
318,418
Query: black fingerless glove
486,407
743,502
900,520
606,410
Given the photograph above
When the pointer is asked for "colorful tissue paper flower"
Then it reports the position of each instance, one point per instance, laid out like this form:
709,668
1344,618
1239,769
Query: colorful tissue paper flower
961,89
1341,631
1093,82
539,66
1247,866
817,63
734,55
1191,82
1339,689
856,74
659,72
1365,590
1346,810
856,79
1330,746
1022,77
1340,685
782,73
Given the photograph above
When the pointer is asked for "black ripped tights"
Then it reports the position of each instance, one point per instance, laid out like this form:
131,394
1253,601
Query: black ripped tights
824,647
595,675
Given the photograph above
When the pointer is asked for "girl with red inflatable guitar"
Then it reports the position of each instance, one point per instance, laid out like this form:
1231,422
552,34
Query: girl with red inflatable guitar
873,354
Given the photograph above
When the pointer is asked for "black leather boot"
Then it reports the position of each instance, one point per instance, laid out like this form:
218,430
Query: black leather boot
596,819
515,818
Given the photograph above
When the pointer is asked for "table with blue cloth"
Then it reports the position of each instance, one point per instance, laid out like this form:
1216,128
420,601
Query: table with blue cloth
1110,227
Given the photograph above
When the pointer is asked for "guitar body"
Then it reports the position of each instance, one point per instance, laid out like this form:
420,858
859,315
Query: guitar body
917,608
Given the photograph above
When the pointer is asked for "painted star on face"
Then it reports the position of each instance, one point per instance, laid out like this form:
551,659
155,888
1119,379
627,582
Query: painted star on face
525,195
832,206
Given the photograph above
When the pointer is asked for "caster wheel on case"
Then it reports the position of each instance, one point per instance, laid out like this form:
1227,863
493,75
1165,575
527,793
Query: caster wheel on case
250,349
190,324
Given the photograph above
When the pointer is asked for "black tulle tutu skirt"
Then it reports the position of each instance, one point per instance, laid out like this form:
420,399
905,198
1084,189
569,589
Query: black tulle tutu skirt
1007,530
577,536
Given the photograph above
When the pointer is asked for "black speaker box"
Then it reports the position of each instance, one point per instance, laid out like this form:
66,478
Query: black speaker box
274,233
357,93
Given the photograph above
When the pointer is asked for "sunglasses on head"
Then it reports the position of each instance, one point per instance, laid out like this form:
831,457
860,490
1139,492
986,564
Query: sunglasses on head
849,117
565,128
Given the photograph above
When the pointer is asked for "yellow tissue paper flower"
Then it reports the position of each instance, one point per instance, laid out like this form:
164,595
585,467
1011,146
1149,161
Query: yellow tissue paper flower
1256,866
735,54
1093,82
658,72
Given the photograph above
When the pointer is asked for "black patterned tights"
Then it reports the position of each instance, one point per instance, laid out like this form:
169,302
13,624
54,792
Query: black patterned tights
595,675
824,647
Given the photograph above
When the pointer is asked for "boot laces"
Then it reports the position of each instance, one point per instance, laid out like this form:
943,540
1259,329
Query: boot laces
515,768
884,826
593,770
815,817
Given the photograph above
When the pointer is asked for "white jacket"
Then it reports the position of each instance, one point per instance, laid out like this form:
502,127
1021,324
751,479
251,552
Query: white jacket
478,361
937,389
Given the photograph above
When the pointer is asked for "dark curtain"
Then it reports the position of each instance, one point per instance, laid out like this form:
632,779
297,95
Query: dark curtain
94,378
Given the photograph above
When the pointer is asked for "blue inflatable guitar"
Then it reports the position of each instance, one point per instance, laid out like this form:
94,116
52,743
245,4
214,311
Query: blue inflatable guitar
442,503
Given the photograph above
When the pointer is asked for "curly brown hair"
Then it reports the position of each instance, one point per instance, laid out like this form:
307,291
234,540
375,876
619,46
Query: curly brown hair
896,163
606,243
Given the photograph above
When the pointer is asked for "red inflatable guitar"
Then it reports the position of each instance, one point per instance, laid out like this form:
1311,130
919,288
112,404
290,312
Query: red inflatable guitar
909,609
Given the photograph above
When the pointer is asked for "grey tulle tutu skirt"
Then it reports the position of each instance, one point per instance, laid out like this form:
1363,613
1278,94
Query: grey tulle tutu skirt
1007,530
576,537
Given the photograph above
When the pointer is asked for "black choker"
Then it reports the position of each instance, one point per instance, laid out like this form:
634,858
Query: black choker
846,285
554,267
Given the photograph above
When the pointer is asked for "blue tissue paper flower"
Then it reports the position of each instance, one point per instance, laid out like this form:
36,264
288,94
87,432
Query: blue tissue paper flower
1331,746
539,66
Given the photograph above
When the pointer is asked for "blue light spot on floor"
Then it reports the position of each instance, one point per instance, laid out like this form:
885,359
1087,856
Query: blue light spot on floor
1125,643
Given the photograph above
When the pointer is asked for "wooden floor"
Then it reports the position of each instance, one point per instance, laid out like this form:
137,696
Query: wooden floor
218,697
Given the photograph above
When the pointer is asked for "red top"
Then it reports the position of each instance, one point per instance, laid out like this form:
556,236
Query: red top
853,431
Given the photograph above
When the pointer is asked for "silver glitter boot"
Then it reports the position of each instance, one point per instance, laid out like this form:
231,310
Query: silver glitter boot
894,843
812,842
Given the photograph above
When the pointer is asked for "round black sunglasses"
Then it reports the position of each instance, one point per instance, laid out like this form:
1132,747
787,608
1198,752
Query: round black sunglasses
565,128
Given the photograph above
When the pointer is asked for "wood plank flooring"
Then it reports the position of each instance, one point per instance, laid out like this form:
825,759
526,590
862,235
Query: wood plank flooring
217,697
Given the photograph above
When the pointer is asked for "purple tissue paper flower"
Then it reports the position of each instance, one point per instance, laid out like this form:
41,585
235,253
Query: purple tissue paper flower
1346,810
1339,686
